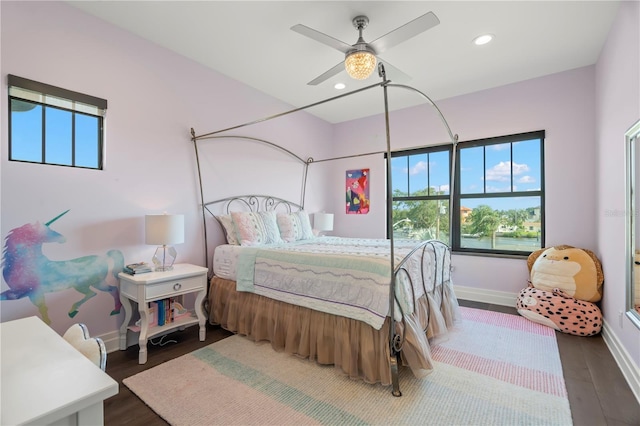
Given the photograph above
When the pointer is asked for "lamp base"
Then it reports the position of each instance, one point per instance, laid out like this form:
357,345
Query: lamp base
163,258
163,268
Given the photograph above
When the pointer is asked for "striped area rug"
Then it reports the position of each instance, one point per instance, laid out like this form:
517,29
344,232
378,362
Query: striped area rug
494,369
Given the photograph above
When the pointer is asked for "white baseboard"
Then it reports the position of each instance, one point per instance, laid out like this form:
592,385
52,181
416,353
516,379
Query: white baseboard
112,341
501,298
630,371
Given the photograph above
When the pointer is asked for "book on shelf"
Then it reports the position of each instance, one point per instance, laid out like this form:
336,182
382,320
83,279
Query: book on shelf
137,268
163,312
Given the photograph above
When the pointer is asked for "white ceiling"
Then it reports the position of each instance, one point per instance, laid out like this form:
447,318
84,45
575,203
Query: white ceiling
251,41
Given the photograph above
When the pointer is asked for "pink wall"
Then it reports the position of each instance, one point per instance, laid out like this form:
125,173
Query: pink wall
618,107
154,97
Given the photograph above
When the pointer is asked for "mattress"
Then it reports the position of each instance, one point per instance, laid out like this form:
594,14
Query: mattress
225,261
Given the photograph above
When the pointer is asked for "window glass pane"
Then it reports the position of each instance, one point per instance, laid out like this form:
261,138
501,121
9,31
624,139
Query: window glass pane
421,220
439,172
527,170
501,223
58,148
399,176
472,170
498,167
87,131
418,169
26,131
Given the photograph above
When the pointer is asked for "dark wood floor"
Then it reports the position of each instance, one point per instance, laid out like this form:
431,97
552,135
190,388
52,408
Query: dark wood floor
598,393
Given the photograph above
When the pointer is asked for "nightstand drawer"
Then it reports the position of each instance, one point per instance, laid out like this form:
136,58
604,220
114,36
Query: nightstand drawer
169,288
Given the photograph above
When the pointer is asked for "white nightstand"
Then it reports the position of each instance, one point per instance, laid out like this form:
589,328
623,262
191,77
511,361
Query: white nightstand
152,286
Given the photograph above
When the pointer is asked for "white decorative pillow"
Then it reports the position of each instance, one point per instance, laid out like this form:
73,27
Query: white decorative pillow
229,229
256,228
272,232
295,226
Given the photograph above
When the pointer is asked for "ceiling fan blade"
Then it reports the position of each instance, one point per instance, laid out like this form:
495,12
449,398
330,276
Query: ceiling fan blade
405,32
394,74
327,74
322,38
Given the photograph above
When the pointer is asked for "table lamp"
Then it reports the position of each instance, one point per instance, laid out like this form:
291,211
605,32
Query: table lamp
163,230
323,222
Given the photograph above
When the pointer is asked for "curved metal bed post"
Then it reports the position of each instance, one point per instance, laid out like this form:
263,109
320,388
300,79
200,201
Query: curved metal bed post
454,142
291,111
251,138
204,216
393,337
306,162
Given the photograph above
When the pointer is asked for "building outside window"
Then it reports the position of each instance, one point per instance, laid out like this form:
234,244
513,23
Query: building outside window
51,125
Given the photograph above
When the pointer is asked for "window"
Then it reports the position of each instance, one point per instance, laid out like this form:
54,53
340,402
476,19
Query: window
50,125
498,199
420,180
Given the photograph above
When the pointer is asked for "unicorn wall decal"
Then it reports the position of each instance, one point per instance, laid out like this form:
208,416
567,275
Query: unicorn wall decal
29,273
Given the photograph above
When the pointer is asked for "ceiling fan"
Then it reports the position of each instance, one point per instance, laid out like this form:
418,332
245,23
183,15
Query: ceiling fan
360,58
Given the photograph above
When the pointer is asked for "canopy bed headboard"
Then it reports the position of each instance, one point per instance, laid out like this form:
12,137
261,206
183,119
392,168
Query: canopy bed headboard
252,202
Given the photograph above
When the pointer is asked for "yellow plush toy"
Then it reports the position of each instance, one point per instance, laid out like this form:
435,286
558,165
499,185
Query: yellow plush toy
576,272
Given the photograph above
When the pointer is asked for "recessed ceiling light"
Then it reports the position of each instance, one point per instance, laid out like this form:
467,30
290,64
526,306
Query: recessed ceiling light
339,86
483,39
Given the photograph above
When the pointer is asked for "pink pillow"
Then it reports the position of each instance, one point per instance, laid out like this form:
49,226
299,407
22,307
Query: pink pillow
558,310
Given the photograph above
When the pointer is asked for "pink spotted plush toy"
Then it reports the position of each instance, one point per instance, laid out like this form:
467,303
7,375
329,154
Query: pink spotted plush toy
564,284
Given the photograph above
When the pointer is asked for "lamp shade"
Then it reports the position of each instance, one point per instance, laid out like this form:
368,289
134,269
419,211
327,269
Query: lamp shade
164,229
323,221
360,64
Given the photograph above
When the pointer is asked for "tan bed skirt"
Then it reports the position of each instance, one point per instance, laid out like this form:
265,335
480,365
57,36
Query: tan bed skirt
354,347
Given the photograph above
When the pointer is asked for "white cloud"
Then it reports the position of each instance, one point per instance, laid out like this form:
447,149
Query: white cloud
526,179
501,172
420,167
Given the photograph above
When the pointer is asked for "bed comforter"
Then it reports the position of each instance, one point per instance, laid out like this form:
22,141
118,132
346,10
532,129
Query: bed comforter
342,276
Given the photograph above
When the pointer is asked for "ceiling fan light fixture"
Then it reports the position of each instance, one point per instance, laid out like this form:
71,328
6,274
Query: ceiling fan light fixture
360,64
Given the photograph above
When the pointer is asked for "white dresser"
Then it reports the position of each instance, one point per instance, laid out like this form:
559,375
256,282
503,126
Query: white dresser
47,381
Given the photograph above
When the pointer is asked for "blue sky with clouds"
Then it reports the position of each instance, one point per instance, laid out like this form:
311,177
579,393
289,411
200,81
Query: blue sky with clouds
489,169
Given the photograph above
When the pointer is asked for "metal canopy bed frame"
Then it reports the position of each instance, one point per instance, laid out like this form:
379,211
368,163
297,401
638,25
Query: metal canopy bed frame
253,202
